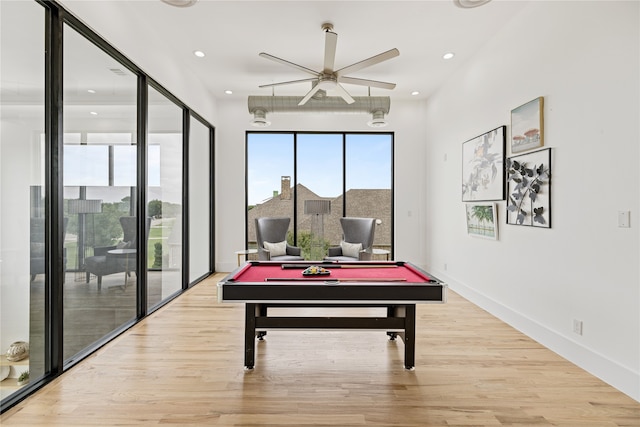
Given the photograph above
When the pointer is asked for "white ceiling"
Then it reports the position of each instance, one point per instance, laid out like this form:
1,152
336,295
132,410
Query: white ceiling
233,33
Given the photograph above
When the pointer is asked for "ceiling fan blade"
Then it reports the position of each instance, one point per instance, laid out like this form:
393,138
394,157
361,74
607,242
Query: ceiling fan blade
309,95
344,94
365,82
290,64
330,41
289,82
368,62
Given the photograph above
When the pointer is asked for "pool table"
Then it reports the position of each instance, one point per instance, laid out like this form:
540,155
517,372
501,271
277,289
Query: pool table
395,285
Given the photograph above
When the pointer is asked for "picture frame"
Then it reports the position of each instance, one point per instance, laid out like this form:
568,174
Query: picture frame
483,166
529,189
482,220
527,126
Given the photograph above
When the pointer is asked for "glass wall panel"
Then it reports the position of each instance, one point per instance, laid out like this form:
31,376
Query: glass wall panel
319,166
369,180
199,200
164,193
100,204
98,175
270,189
22,192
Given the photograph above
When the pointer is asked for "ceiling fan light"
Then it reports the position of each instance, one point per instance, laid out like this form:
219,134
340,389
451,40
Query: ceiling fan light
377,120
260,119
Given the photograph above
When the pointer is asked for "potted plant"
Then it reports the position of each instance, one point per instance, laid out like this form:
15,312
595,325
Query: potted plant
23,378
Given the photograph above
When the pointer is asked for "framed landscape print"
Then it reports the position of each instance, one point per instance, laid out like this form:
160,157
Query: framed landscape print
483,166
529,189
527,126
482,220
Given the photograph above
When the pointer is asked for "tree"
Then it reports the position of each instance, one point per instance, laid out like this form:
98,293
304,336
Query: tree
154,209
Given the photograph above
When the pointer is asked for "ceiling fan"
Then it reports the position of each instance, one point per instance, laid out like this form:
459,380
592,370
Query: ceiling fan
329,78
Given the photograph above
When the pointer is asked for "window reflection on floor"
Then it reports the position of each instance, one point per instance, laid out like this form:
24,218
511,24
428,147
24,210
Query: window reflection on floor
91,313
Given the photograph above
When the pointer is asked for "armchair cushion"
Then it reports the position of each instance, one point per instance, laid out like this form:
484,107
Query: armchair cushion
351,249
276,249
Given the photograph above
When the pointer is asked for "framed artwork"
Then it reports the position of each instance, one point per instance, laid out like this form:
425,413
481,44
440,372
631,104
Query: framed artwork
529,189
527,126
482,220
483,166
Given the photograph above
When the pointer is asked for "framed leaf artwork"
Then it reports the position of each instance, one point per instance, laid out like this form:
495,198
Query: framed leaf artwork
529,189
483,166
527,126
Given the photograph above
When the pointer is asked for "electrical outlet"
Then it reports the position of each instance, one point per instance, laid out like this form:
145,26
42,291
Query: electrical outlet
445,266
577,326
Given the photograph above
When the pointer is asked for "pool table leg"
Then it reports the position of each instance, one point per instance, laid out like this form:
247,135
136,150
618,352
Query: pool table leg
410,336
261,311
391,312
250,334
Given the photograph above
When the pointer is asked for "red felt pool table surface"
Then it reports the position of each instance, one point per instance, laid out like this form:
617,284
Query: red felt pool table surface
376,272
384,282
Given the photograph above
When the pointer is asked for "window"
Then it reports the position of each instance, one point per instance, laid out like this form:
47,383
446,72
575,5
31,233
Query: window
317,178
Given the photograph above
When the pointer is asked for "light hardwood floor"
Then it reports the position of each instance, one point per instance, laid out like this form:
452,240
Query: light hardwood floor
183,366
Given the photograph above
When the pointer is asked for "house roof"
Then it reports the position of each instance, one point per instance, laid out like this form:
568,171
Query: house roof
368,203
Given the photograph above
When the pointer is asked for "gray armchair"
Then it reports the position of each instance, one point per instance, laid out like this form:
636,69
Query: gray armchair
357,240
102,264
37,248
271,237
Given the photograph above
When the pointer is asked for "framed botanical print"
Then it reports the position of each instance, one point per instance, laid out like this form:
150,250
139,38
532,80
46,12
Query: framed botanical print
527,126
529,189
483,166
482,220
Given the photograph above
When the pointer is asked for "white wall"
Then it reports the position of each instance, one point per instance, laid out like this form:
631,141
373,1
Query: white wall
405,119
584,59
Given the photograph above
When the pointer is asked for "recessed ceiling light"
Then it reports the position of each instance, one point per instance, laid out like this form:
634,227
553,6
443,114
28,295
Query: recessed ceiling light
91,91
198,53
93,113
469,4
180,3
448,55
228,92
415,92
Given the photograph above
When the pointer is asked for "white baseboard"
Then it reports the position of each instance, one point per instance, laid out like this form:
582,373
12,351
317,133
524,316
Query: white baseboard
609,371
